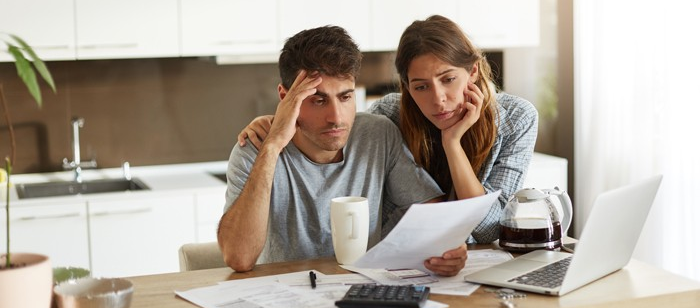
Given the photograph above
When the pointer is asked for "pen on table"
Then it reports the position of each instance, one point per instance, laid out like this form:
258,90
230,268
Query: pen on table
312,277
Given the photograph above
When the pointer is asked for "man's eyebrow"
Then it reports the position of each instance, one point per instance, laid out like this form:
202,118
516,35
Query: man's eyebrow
320,93
324,94
346,92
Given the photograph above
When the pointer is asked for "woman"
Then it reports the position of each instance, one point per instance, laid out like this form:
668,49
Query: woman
470,139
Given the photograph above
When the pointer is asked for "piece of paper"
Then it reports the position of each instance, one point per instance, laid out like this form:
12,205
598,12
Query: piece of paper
293,289
277,278
477,260
427,230
395,276
322,280
484,258
274,291
455,285
257,292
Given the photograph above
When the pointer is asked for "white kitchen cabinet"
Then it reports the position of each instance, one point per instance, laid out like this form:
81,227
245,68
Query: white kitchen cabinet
228,27
126,28
57,229
547,171
501,23
139,236
298,15
47,26
209,207
389,18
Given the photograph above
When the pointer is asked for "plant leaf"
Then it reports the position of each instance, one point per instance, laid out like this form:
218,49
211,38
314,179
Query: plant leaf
38,64
26,72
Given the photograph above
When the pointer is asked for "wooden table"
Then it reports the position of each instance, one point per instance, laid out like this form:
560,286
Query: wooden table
637,285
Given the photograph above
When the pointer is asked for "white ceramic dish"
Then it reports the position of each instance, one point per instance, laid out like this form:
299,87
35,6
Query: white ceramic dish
94,292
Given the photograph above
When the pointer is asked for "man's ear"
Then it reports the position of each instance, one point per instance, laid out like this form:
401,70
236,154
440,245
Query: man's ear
281,91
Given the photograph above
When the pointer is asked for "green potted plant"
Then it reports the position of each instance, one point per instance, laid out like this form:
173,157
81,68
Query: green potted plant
25,278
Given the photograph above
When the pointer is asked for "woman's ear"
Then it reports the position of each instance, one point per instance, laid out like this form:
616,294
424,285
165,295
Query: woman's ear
474,73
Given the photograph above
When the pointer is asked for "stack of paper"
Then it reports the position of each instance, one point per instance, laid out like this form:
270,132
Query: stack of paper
425,231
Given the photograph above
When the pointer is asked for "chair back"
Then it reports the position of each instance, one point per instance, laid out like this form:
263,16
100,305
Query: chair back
196,256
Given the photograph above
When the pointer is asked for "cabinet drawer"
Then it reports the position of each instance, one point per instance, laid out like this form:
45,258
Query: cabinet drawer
139,237
59,231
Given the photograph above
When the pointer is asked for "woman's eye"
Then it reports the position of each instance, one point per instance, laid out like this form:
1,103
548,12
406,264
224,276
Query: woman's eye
420,88
450,79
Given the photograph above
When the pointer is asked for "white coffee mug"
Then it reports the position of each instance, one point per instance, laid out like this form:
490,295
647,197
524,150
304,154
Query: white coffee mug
349,228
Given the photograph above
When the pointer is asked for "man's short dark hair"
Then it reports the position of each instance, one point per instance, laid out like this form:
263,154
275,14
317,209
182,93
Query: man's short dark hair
328,50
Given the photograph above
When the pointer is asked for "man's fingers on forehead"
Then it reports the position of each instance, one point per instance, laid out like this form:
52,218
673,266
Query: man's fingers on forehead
300,77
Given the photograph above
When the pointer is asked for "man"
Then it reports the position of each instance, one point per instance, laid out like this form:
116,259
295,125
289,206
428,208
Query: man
278,197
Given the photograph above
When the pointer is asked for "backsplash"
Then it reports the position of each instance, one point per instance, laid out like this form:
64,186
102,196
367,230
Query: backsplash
145,111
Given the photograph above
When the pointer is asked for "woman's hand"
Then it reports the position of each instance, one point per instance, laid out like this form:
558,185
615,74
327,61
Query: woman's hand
256,131
450,263
471,111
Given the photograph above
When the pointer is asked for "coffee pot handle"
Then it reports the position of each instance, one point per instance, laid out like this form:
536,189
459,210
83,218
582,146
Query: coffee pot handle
568,210
566,206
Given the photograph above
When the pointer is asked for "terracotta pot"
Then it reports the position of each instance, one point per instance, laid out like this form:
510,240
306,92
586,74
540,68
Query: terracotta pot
27,286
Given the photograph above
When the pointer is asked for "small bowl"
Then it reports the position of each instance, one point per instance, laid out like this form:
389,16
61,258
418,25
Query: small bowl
94,292
61,274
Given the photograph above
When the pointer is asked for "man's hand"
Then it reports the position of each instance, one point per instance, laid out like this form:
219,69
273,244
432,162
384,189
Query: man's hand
285,125
450,263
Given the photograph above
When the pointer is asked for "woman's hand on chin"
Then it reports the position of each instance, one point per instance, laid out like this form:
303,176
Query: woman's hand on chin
469,111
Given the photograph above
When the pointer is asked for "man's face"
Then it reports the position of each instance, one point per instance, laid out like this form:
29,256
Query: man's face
325,120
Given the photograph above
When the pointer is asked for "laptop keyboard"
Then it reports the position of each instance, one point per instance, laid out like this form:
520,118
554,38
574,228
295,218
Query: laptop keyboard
549,276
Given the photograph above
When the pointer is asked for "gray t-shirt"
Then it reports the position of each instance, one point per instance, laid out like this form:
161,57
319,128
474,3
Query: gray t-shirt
376,165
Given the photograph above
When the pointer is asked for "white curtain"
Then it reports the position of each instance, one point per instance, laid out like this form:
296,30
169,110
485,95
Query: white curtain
637,114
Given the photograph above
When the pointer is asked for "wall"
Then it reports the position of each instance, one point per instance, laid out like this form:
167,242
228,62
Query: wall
148,111
161,111
532,73
145,111
544,76
564,127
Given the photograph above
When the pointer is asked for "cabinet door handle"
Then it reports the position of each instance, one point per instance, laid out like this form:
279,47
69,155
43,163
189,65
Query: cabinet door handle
241,42
52,47
109,46
57,216
127,212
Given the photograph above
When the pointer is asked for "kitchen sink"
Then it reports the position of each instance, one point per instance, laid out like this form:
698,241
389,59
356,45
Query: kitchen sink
220,176
54,189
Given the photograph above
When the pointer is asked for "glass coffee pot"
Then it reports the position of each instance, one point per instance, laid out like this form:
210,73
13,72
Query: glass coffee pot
531,220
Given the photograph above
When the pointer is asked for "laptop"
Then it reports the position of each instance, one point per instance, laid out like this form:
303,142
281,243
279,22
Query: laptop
605,246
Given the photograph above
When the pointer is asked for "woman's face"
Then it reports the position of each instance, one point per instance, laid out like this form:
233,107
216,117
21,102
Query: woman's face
438,89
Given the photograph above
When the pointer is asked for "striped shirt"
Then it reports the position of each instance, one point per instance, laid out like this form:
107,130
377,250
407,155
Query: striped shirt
507,164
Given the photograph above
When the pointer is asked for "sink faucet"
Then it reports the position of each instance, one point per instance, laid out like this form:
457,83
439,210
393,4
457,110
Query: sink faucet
77,165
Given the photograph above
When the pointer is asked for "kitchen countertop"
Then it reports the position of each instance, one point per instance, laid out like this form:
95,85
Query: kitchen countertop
545,171
160,179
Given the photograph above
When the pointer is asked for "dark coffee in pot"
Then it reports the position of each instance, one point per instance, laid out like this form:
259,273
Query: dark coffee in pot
527,234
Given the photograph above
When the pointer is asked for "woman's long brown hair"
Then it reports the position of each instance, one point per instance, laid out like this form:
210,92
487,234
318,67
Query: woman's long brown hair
443,38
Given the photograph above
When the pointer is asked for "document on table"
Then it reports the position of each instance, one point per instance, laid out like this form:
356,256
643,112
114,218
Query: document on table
478,260
400,277
427,230
294,290
256,292
285,290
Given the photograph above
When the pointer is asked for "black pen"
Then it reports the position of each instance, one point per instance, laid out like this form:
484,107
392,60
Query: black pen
312,277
